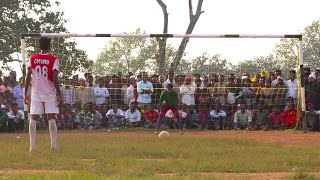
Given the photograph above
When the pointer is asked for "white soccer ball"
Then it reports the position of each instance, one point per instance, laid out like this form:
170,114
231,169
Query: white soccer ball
164,135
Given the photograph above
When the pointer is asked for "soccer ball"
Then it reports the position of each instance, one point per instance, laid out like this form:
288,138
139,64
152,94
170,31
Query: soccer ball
164,135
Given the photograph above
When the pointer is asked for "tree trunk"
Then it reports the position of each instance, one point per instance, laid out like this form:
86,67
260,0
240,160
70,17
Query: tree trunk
161,58
184,42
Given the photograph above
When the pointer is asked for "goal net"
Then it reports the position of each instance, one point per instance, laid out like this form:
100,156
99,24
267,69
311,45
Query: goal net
204,77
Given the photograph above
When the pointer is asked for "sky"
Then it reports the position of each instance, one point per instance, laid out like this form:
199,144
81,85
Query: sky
219,17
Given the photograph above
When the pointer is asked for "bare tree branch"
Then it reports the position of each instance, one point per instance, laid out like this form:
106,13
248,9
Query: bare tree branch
165,16
190,10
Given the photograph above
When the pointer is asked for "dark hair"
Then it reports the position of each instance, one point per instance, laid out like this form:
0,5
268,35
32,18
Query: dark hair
45,43
292,71
170,86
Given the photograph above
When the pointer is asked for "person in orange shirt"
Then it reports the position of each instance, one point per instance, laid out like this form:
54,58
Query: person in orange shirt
5,85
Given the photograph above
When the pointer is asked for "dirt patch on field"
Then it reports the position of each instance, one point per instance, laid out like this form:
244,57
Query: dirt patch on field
31,171
255,176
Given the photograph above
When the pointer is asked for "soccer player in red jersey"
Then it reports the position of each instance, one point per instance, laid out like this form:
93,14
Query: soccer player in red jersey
43,70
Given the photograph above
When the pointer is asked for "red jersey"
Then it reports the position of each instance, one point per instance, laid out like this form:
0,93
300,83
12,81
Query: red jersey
290,117
42,67
153,117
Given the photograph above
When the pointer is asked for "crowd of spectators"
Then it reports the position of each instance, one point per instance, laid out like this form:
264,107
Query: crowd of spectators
261,101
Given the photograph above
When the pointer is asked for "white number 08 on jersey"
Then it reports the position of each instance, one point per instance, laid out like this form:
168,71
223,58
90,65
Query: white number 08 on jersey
41,73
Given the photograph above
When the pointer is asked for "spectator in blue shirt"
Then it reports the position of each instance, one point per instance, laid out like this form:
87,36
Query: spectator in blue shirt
144,89
18,94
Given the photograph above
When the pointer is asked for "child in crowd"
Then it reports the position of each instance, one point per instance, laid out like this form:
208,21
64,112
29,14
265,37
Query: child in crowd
290,116
276,119
151,116
115,117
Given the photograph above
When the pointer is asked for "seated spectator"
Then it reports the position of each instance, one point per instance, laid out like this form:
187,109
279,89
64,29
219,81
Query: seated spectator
276,119
3,119
115,117
242,118
133,116
18,94
246,92
97,117
151,116
16,118
86,118
101,93
260,118
218,116
103,111
290,116
193,118
204,117
312,118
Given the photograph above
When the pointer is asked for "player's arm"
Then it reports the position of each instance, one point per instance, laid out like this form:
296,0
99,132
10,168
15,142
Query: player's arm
56,85
26,86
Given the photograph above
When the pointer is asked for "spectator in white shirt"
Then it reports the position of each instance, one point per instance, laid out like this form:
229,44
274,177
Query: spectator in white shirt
130,91
218,116
115,117
292,85
170,80
101,93
68,93
17,116
133,116
187,91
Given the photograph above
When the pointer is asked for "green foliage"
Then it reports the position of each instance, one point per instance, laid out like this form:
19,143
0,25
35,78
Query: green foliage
22,16
311,48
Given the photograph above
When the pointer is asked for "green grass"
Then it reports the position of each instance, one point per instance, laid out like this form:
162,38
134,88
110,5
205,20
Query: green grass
93,156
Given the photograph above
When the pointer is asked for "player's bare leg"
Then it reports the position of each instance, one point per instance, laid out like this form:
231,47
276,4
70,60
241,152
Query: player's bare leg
32,131
53,131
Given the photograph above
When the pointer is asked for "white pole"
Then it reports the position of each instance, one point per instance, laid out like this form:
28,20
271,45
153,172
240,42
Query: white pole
303,94
23,56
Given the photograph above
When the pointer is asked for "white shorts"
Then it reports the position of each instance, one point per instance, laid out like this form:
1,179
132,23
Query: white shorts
39,108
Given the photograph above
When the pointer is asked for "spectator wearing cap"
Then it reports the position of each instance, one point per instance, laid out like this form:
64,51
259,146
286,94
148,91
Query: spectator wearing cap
312,118
313,91
18,94
292,85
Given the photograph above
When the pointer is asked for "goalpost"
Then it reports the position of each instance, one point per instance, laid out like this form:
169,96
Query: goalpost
301,88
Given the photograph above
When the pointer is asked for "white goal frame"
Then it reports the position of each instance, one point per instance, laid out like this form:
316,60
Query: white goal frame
68,35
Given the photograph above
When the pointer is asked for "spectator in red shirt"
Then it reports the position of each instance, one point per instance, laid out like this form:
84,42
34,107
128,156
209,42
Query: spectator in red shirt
151,116
276,118
290,116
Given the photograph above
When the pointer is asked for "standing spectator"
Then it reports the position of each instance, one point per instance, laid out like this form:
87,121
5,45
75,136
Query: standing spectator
130,91
218,116
205,82
187,91
169,101
68,92
17,118
220,92
18,93
290,116
101,93
276,118
75,81
83,93
145,89
90,88
169,80
5,85
133,116
13,79
242,118
162,80
115,90
313,91
292,85
157,88
124,83
260,118
193,120
115,117
275,81
280,92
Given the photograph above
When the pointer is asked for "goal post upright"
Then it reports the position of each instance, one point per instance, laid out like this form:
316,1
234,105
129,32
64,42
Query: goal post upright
68,35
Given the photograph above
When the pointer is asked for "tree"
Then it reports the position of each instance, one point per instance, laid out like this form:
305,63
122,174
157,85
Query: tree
311,48
22,16
162,41
130,55
257,64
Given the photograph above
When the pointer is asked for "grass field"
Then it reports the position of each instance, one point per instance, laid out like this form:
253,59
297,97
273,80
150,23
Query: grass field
193,155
